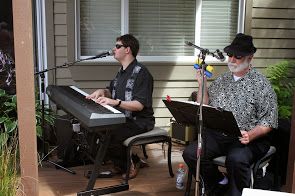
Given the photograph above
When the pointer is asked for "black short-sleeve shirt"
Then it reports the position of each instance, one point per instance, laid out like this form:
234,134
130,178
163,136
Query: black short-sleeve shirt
142,92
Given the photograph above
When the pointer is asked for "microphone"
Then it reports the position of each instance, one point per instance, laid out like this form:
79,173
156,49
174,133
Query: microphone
101,55
220,56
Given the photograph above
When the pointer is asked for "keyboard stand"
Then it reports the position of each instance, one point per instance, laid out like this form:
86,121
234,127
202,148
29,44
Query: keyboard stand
105,140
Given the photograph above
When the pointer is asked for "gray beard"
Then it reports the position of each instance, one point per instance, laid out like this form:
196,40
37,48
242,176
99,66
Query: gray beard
234,68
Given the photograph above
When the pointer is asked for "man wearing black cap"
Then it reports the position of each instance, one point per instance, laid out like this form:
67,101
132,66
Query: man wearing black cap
249,95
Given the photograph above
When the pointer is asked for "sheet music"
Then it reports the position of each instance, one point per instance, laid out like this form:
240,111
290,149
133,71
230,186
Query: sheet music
196,103
106,106
185,112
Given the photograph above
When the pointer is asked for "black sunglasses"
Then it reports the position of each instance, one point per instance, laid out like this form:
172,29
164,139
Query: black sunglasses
118,46
236,57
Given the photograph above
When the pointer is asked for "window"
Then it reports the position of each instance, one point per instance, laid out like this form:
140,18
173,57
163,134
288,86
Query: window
162,26
219,23
100,24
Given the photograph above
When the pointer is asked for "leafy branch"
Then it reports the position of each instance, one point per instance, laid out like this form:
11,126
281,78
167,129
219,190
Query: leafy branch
8,117
282,78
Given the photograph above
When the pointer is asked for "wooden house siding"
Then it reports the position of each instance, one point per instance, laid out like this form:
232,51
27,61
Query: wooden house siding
63,75
273,30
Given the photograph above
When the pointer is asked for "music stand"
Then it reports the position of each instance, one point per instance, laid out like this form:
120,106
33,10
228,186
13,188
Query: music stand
187,113
214,118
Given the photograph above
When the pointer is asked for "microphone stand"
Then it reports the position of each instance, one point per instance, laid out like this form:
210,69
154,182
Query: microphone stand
42,76
199,119
44,156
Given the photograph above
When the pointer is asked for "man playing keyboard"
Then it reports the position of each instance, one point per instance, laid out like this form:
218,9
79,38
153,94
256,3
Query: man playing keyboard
130,92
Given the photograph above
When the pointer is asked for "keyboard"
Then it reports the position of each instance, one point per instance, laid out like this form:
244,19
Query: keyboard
72,100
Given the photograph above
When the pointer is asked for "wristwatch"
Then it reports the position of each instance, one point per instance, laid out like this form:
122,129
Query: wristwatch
118,103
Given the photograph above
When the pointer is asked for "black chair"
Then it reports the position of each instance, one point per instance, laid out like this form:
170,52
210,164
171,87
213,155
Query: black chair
220,161
157,135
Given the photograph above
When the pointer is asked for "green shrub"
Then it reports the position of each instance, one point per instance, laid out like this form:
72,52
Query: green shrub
8,117
282,78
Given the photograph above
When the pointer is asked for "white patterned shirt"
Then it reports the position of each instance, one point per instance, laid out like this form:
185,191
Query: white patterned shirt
251,99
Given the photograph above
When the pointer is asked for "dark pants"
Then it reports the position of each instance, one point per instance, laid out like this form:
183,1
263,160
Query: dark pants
117,151
238,162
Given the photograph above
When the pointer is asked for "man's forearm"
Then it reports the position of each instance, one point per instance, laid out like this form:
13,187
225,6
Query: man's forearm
258,132
131,105
205,97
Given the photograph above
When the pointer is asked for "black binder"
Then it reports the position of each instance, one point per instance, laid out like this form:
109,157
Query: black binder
214,118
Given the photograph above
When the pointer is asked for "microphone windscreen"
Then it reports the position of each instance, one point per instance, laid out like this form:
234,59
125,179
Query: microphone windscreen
110,52
220,55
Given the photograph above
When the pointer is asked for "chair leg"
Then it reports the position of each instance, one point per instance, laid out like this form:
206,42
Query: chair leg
128,163
277,183
169,157
188,183
252,179
144,151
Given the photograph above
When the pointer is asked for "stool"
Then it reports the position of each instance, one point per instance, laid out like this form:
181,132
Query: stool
156,135
263,162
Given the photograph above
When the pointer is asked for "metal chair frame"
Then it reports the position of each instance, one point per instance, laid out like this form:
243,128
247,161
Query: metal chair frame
157,135
262,163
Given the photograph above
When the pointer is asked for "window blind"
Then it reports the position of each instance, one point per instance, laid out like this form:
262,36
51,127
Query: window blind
219,23
100,24
162,26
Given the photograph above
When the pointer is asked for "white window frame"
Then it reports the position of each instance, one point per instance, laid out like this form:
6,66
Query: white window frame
41,43
162,59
